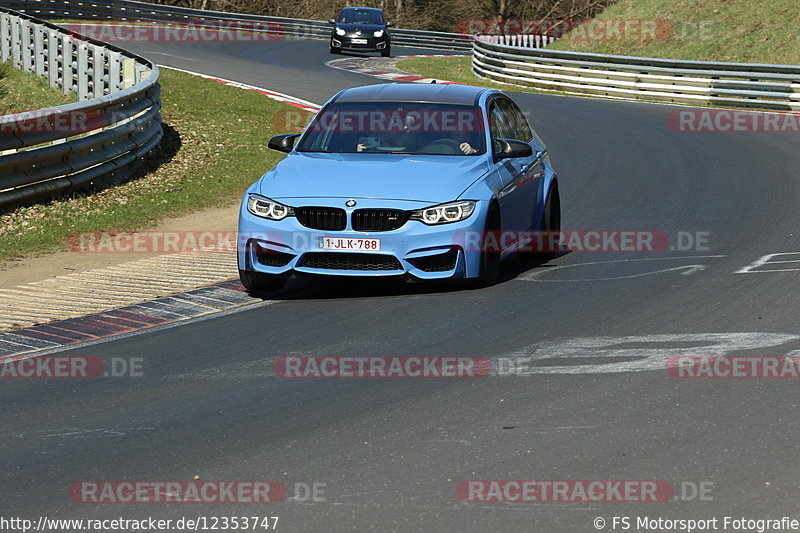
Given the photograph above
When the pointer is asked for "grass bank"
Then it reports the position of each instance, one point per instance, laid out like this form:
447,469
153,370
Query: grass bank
453,68
744,31
22,91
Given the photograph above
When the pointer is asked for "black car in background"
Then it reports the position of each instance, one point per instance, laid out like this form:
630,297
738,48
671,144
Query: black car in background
361,29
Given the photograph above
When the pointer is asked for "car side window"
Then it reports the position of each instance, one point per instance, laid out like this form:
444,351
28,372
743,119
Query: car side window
517,125
499,125
523,128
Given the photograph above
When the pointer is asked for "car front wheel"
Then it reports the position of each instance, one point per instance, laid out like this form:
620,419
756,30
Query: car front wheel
490,252
551,220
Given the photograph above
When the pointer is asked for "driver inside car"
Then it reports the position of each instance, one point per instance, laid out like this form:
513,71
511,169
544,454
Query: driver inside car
403,138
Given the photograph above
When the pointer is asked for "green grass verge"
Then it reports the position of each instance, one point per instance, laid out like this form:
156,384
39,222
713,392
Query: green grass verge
747,31
458,69
22,91
223,133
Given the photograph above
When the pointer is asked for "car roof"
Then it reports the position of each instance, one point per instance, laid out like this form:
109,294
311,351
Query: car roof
435,93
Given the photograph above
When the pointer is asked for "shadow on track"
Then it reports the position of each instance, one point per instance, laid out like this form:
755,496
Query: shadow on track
319,287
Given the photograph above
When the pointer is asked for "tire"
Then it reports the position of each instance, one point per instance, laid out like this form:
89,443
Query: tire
551,220
335,51
258,282
386,52
490,260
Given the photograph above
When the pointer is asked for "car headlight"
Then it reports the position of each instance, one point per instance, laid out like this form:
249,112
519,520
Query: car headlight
266,208
378,33
340,31
445,213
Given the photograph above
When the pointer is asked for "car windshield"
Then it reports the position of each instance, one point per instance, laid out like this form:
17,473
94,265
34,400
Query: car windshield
396,127
358,16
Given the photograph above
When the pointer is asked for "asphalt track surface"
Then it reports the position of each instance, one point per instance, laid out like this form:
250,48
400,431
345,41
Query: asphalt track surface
391,451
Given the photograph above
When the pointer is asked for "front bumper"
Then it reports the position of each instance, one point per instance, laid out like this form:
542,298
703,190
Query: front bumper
373,44
414,250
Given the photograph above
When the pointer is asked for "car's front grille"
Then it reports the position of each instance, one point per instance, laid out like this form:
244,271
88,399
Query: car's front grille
437,263
378,219
324,218
349,261
272,258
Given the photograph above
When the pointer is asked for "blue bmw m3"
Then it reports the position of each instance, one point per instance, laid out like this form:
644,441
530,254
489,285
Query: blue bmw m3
430,182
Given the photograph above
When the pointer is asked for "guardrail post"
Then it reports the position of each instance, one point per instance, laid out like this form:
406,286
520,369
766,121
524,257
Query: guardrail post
16,38
52,58
25,43
128,73
99,81
38,51
67,64
141,72
83,71
5,37
115,81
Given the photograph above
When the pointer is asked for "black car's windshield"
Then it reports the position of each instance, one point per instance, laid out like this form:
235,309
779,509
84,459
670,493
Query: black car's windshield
396,127
360,16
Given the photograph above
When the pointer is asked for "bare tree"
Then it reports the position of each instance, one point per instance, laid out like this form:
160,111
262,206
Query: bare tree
435,15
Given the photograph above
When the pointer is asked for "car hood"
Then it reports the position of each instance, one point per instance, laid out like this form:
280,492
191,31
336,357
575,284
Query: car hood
367,28
425,178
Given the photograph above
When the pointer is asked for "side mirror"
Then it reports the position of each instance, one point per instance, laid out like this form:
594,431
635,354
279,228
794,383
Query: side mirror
390,24
511,148
284,142
331,21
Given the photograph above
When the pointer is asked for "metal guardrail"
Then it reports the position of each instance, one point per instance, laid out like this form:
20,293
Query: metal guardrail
129,10
103,137
525,40
746,85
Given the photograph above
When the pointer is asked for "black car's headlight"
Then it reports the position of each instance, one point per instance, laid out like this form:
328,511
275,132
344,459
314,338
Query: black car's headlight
266,208
340,31
445,213
378,34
